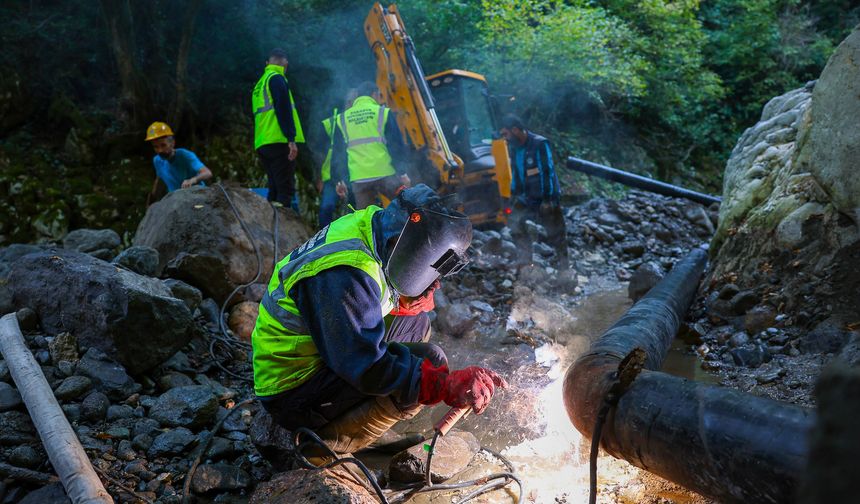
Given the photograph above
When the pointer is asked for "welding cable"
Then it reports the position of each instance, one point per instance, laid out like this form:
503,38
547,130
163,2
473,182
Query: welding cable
225,339
300,458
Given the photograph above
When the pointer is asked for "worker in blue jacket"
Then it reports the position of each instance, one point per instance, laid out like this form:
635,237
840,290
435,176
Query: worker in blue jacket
534,186
341,339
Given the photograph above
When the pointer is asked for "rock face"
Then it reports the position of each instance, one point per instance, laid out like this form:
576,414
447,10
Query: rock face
333,486
133,319
790,216
243,318
199,240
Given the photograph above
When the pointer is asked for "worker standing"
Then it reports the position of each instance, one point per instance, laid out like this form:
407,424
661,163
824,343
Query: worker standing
323,356
325,184
371,147
534,186
177,168
277,128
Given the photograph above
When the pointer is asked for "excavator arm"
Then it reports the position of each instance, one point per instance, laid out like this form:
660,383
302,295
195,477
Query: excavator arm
404,90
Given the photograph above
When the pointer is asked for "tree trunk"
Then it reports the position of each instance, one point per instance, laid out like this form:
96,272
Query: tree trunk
64,450
133,100
178,106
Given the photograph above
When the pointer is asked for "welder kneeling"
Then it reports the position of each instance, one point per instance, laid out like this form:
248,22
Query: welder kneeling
341,341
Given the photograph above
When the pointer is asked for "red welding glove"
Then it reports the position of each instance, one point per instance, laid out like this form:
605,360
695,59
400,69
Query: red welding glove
470,387
413,306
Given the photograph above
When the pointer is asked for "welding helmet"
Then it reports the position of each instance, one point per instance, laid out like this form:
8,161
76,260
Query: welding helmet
432,242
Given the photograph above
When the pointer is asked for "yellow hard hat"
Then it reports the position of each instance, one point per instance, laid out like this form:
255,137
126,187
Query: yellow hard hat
158,129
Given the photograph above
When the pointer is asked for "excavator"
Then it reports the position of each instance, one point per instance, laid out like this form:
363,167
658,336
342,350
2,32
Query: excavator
430,110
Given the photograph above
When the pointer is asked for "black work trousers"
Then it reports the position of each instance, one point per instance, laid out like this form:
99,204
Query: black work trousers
326,395
281,172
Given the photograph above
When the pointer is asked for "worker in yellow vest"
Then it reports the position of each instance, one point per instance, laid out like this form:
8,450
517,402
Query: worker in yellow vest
328,357
325,184
370,148
277,128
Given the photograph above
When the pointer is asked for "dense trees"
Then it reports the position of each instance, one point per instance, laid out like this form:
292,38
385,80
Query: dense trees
659,86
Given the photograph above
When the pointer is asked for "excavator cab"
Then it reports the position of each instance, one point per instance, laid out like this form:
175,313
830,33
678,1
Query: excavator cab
469,124
451,105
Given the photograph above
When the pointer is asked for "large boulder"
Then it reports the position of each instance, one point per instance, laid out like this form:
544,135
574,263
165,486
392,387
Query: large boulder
131,318
790,215
333,486
199,240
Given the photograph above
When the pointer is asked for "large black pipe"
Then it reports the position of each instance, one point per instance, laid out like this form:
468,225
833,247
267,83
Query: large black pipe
639,182
722,443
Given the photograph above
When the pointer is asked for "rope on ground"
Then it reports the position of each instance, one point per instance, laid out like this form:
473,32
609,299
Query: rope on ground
186,488
628,369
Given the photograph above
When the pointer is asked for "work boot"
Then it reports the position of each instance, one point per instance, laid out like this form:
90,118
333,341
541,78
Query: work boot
392,442
357,428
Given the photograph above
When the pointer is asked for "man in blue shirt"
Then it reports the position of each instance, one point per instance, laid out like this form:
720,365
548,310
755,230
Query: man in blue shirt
534,186
177,168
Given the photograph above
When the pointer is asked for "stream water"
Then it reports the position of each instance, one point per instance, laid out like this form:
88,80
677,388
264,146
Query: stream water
527,422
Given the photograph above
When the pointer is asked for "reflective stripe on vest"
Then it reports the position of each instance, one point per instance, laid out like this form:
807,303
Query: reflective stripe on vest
284,353
267,130
363,130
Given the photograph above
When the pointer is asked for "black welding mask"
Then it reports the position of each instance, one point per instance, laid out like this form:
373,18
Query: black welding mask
431,245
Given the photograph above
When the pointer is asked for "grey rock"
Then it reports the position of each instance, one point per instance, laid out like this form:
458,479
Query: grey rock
336,485
646,276
213,257
142,260
142,442
739,339
219,477
451,455
274,442
10,254
26,456
107,375
64,347
237,421
759,318
178,362
172,380
94,407
770,376
743,301
48,494
73,387
190,295
828,336
4,371
481,306
91,240
119,411
609,219
192,406
16,428
140,469
27,319
455,320
220,448
543,249
118,432
125,451
72,412
210,310
751,356
7,303
633,248
66,368
132,318
9,397
172,442
145,426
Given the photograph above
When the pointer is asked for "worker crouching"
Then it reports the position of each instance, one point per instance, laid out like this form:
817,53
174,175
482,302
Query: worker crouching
341,341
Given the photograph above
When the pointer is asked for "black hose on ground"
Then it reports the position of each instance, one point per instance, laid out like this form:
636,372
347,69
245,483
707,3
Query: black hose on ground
487,483
225,339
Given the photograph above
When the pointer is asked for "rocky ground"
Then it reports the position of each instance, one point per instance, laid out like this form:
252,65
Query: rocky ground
528,321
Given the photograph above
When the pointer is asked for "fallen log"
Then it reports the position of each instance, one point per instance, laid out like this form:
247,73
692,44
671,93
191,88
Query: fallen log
723,443
62,445
638,181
